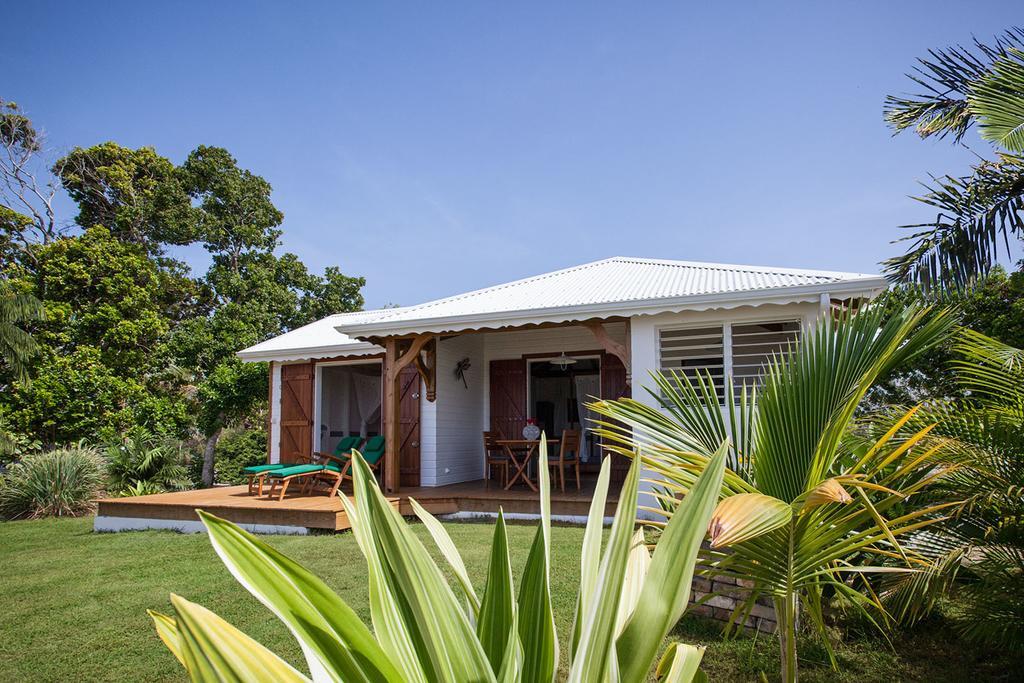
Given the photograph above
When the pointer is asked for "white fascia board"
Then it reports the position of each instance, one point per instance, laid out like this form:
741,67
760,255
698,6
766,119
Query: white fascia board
287,355
868,286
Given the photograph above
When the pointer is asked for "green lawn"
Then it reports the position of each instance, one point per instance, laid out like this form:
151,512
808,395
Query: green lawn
74,607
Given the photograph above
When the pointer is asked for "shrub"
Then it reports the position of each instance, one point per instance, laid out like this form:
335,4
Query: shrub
58,483
236,450
146,462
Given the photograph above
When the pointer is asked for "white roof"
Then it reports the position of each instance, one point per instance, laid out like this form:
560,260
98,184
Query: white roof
316,340
614,287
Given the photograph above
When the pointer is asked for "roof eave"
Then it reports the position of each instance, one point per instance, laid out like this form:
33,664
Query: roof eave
869,286
308,353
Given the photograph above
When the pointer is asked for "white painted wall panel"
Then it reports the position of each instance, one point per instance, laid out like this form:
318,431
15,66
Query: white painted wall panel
451,427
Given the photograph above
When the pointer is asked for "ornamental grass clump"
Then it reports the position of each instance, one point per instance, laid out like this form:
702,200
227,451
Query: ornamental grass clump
427,629
57,483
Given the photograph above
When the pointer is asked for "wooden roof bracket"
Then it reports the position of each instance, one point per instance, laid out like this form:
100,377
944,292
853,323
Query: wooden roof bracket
426,365
621,351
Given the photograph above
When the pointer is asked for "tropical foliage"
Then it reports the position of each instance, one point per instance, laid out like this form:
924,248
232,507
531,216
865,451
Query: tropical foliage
980,548
426,630
58,483
976,215
144,462
823,499
125,334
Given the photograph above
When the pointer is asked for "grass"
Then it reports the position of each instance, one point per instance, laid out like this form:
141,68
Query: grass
74,607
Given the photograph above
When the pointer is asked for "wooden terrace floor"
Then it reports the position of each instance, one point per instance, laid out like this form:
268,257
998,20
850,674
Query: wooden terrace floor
324,512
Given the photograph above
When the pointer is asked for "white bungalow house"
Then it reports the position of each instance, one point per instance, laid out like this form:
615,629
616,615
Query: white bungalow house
432,377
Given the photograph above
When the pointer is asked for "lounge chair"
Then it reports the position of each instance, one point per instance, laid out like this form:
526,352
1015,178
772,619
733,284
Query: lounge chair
333,469
257,473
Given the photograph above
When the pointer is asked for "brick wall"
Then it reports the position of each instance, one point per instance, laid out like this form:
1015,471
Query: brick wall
729,593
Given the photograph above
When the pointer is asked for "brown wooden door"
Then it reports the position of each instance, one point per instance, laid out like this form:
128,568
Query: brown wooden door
613,385
409,451
296,412
508,397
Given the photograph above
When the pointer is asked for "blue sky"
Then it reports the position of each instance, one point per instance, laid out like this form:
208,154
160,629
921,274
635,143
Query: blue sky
439,147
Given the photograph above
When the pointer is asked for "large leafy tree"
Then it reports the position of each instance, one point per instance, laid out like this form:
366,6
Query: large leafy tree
823,498
130,335
253,292
136,194
977,215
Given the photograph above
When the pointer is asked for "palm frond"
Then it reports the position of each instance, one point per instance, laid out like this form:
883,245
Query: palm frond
976,218
946,78
997,101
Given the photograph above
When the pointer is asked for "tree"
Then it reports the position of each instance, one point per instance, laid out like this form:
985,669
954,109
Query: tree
821,497
254,293
136,194
101,291
977,215
994,307
27,191
17,347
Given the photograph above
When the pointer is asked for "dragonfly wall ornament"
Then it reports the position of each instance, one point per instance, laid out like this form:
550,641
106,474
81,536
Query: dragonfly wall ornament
460,371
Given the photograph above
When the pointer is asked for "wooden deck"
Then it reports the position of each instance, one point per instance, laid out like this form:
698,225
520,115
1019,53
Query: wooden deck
323,512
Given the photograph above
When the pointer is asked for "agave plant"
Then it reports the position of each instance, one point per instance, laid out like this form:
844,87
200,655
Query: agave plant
823,501
423,629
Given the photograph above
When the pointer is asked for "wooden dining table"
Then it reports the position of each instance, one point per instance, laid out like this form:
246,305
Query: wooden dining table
520,452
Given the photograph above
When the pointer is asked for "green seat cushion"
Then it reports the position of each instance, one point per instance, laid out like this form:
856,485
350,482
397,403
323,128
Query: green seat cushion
346,445
259,469
295,469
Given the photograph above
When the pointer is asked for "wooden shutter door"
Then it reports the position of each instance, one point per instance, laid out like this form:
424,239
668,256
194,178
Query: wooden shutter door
296,412
409,450
508,397
613,385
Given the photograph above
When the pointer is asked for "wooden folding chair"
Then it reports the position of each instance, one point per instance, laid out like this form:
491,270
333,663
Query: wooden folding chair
568,456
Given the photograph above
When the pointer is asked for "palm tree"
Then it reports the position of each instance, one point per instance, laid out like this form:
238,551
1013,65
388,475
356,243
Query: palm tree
822,498
981,546
979,214
16,345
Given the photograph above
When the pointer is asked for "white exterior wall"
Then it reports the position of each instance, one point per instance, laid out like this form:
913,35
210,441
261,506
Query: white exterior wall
451,446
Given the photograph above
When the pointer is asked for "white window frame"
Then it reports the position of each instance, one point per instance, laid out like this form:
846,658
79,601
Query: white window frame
727,346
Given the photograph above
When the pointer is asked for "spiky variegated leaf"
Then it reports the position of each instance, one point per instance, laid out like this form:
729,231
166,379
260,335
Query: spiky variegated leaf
667,587
336,644
214,650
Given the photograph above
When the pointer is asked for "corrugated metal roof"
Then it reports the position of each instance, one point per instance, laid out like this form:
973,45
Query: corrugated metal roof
316,340
610,285
619,286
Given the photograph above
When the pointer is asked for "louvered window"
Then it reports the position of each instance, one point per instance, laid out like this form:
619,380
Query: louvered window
754,344
693,351
738,349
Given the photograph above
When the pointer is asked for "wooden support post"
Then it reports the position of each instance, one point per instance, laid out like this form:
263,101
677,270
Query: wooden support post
392,416
398,355
621,351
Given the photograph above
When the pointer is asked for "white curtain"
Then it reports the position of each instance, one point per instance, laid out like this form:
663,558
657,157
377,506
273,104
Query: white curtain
588,387
367,391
